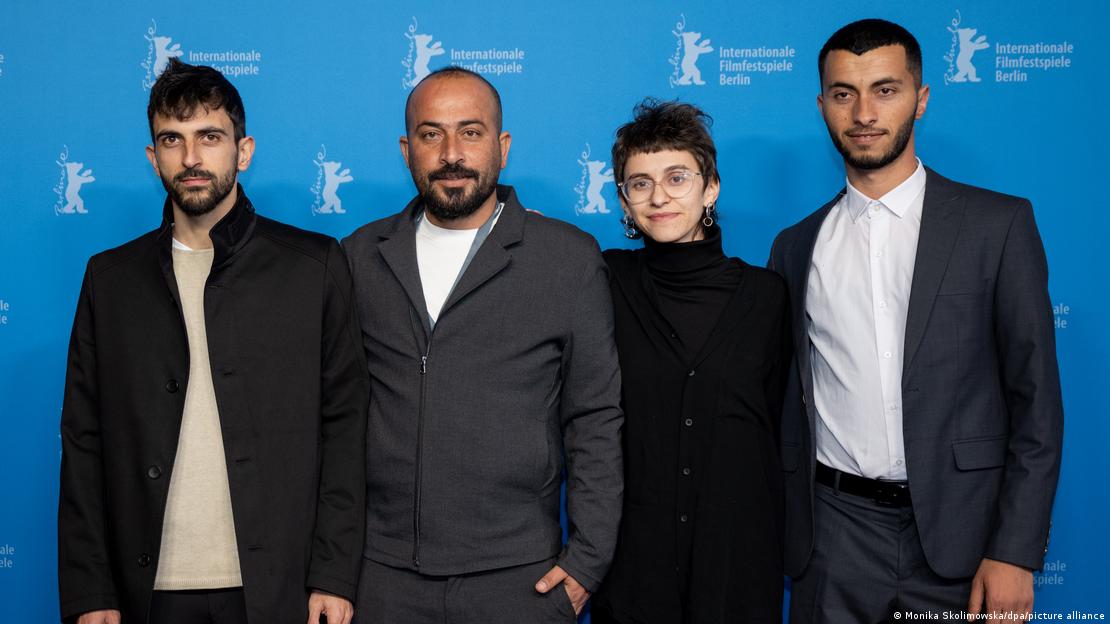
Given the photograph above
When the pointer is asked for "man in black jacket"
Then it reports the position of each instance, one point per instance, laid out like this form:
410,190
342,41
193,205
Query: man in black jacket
489,338
213,427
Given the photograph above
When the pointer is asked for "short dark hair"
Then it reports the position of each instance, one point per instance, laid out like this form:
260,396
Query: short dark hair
868,34
182,88
454,71
657,126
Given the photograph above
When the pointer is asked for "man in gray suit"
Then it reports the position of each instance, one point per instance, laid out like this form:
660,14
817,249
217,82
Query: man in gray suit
489,336
922,429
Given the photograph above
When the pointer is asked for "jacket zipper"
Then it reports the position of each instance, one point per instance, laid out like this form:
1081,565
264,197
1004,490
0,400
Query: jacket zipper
419,457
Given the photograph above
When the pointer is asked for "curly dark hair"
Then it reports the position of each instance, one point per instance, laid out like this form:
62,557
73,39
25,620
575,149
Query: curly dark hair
658,126
182,88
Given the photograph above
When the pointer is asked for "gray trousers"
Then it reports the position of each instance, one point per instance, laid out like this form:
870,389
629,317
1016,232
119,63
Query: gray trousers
867,564
389,595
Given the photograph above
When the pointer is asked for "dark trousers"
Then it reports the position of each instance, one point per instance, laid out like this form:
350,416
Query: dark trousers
867,564
199,606
504,596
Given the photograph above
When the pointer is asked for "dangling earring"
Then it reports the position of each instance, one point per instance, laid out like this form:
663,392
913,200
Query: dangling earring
629,226
708,220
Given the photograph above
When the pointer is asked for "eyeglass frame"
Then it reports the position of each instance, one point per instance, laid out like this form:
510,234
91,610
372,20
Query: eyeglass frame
655,183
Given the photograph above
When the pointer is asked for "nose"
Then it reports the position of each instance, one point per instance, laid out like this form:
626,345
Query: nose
865,112
659,195
191,157
450,153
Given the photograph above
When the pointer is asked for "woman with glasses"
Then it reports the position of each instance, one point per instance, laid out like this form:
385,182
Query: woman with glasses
704,346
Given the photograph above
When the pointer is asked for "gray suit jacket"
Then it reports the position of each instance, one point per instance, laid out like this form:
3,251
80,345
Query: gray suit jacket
982,413
470,424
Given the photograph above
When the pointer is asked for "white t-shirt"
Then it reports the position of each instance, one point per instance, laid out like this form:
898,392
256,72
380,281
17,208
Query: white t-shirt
440,254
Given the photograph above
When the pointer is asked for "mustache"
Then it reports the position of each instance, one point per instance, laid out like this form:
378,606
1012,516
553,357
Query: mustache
452,172
193,173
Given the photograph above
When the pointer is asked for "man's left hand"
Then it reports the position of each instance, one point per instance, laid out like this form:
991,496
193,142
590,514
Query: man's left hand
557,576
339,610
1000,587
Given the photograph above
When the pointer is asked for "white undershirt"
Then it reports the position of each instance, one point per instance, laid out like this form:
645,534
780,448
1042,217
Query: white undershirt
440,253
856,303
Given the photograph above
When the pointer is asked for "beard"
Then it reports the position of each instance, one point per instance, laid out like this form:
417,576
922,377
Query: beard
197,201
871,162
454,203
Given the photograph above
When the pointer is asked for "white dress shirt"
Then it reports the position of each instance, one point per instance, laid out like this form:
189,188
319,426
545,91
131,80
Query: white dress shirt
856,303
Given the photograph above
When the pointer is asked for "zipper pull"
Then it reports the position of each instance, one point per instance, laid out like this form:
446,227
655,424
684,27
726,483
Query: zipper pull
423,364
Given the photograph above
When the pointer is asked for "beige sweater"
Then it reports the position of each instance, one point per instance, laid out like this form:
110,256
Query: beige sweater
198,534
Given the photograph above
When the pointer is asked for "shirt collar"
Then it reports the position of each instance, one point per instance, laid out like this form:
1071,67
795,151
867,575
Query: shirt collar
898,200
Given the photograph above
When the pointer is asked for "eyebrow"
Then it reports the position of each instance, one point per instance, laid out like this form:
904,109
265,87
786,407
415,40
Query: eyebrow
878,83
667,170
461,124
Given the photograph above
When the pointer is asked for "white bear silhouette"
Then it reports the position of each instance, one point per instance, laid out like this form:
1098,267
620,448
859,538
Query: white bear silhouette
163,52
424,54
75,179
968,47
598,178
332,179
692,49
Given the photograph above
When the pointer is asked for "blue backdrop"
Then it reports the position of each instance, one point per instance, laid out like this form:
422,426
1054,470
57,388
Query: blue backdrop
1016,90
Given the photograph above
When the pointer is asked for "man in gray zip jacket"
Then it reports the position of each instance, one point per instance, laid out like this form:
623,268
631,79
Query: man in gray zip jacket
489,336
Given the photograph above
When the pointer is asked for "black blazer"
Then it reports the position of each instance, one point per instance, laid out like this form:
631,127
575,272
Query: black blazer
292,390
711,518
983,418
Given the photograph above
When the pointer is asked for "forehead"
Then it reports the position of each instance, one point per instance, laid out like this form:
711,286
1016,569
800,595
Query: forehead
886,61
199,117
449,99
655,163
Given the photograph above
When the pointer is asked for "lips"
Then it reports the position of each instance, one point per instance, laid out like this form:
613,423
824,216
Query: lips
661,217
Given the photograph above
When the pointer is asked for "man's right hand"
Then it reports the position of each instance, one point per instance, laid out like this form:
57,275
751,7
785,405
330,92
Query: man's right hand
107,616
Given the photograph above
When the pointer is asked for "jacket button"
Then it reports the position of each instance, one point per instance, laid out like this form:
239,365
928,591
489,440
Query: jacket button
144,560
690,374
154,472
683,518
689,422
172,386
686,472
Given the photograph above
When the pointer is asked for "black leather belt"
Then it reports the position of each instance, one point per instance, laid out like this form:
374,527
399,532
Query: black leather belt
886,493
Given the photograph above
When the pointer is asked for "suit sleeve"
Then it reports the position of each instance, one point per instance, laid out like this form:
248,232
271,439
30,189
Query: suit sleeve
345,393
592,421
1026,343
85,580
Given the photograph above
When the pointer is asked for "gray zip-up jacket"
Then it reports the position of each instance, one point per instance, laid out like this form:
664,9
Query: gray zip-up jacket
471,424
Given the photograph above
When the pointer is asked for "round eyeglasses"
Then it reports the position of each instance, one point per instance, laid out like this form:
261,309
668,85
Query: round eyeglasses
676,184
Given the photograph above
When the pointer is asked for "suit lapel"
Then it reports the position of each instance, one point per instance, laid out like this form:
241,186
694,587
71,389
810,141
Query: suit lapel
399,253
492,257
799,260
941,216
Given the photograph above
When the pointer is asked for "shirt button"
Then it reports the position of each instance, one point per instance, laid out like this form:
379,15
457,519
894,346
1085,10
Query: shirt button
689,422
172,386
144,560
897,462
683,518
888,355
878,254
691,373
882,304
686,472
154,472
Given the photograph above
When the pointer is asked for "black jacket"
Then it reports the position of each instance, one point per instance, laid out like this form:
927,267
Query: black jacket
292,393
701,533
471,424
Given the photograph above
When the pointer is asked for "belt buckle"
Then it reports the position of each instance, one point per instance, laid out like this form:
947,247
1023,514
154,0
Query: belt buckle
890,494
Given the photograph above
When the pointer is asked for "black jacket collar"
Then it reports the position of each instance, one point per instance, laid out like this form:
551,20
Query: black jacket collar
229,235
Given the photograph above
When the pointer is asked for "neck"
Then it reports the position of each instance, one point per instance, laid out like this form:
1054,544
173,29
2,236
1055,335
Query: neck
471,221
874,183
192,230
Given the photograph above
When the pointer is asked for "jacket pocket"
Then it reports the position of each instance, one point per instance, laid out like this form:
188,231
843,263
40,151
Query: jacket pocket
790,457
980,453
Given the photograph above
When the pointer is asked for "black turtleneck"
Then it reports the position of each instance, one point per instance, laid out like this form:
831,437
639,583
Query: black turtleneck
690,284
